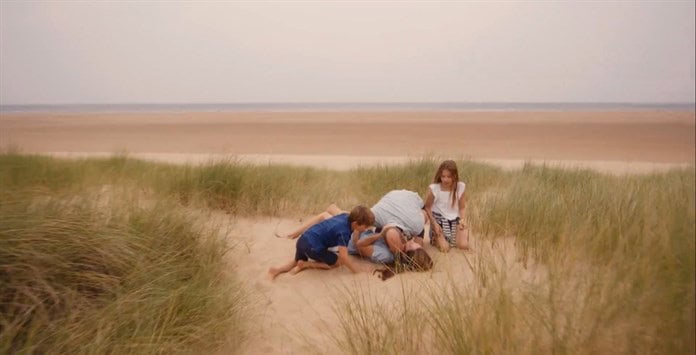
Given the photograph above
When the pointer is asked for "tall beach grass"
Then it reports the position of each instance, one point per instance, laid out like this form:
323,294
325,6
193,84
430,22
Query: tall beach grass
103,272
614,271
613,255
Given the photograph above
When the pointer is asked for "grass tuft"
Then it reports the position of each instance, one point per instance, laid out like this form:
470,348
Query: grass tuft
82,275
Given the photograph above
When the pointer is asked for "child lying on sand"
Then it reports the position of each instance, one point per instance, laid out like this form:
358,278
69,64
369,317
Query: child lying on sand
315,242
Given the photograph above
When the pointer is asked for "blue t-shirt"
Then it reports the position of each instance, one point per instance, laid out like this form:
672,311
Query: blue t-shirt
332,232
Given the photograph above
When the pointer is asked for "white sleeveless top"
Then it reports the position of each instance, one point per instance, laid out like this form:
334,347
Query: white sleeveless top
443,200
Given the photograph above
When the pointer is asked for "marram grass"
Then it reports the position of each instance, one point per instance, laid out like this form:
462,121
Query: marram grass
100,273
616,263
617,254
238,188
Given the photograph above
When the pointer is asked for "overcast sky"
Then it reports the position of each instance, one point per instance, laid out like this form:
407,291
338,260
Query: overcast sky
231,52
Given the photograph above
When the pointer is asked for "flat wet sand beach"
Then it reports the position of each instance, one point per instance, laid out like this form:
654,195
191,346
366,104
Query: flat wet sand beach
641,136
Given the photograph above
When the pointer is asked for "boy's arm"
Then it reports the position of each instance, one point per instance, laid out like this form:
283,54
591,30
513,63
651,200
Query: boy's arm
368,240
354,238
344,259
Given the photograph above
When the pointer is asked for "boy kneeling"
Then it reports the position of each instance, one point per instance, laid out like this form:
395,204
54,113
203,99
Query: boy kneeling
315,242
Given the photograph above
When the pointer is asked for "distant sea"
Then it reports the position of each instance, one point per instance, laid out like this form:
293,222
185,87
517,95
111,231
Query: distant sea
309,107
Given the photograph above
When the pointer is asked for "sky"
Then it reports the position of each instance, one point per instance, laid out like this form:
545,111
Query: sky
70,52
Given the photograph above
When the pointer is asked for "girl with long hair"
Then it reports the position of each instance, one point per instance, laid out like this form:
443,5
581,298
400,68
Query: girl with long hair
445,205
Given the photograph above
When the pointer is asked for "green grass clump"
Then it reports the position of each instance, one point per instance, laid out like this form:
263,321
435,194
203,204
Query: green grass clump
235,187
243,189
103,273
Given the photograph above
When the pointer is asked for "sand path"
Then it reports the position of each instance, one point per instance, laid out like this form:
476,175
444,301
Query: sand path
295,313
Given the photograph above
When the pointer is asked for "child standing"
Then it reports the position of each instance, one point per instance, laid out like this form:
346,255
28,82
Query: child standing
314,243
445,205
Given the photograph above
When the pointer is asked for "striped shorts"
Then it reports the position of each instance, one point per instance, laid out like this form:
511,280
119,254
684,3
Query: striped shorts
449,229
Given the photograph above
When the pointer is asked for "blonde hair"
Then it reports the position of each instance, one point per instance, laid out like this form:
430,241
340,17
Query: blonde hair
450,166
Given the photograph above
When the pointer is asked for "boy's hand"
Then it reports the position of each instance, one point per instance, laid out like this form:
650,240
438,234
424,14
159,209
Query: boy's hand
344,259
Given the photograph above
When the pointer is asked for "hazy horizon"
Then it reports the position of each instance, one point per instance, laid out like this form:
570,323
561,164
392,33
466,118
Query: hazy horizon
346,107
338,52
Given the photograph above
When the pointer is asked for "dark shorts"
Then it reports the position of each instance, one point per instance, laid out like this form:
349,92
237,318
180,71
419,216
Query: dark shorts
304,251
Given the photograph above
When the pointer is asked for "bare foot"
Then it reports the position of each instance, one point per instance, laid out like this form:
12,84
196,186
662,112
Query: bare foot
289,236
273,272
300,266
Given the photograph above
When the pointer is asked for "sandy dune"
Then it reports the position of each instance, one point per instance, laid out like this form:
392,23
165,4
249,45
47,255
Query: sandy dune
296,310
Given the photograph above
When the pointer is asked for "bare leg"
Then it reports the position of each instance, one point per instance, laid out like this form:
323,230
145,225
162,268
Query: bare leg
463,239
393,238
331,211
275,271
303,265
310,222
334,210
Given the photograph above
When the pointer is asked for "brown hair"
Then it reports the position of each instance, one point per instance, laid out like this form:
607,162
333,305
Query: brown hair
362,215
412,260
450,166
